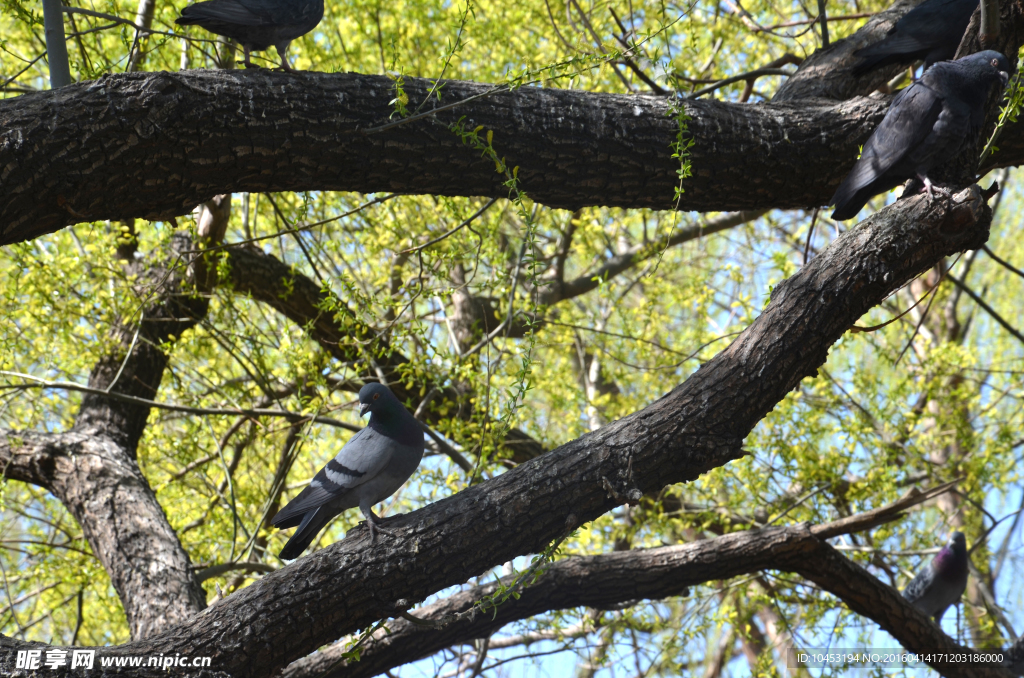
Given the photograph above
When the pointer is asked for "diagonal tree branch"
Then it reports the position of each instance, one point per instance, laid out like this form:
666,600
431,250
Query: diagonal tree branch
698,426
341,333
552,294
602,582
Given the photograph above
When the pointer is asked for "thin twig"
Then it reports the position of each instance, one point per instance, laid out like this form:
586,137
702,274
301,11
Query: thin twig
254,413
988,309
118,20
738,78
1005,264
297,229
814,19
11,79
446,234
874,328
433,111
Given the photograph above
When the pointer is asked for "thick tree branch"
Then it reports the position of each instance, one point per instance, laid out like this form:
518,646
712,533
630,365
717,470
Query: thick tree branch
65,156
826,73
603,582
157,144
340,332
29,456
101,485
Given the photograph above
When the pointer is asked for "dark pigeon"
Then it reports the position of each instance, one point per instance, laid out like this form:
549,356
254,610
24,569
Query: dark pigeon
256,24
925,126
1013,658
371,467
931,31
940,583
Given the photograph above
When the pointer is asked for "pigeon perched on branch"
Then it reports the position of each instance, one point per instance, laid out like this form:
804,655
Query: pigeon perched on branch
256,24
371,467
942,581
926,125
931,31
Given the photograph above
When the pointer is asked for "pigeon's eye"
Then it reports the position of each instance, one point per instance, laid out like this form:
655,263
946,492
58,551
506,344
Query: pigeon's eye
376,395
995,63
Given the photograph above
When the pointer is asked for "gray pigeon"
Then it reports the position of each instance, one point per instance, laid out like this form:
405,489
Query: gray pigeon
940,583
371,467
931,31
256,24
925,126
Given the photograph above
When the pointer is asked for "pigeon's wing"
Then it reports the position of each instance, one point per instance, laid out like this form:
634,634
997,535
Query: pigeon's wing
885,162
933,29
906,125
894,44
362,458
919,585
897,48
233,12
277,12
937,20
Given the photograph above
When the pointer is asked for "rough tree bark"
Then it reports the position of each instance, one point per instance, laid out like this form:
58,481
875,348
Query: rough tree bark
92,468
177,139
699,425
610,580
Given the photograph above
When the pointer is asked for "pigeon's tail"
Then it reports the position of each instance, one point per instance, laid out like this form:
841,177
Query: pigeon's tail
189,17
848,203
310,526
870,61
893,49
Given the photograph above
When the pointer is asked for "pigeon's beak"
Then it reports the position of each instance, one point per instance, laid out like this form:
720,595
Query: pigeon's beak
363,409
1005,77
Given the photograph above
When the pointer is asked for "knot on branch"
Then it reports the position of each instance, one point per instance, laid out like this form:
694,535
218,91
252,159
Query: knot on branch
629,495
962,212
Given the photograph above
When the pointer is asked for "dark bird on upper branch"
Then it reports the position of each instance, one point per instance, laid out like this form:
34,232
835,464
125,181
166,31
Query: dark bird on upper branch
925,126
931,31
371,467
256,24
941,582
1014,658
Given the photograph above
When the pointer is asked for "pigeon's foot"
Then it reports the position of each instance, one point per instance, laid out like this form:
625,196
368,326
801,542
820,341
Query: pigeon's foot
932,189
246,61
376,524
282,51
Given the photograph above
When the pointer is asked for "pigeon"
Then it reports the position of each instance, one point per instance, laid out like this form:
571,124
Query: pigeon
256,24
941,582
371,467
925,126
1014,658
931,31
